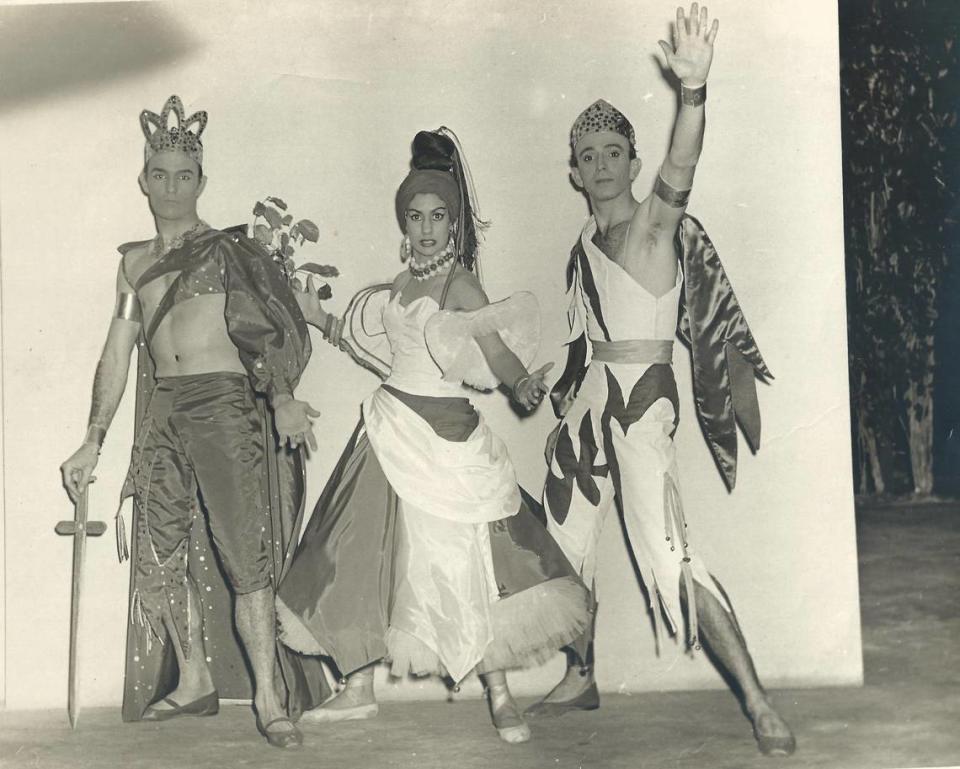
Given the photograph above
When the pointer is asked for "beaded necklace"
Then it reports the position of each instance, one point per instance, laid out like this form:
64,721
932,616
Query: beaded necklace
431,267
159,249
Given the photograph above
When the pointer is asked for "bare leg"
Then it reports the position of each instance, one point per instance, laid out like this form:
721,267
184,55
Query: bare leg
354,702
724,641
256,621
503,710
194,679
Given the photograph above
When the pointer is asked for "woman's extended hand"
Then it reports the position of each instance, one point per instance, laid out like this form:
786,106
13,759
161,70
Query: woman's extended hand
530,389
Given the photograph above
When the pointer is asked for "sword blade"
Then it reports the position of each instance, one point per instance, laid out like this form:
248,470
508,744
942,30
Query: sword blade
79,549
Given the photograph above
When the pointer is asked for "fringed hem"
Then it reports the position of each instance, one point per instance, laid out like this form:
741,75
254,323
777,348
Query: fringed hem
530,626
691,570
294,633
409,655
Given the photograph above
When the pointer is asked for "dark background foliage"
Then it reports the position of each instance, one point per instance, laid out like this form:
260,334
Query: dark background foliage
900,93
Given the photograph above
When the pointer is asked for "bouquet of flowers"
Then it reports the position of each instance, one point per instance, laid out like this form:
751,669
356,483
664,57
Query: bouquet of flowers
281,236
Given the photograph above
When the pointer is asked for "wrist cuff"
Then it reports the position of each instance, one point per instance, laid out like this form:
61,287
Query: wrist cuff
693,96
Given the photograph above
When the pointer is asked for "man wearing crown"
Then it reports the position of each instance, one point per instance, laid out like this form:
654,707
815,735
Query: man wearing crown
636,265
222,345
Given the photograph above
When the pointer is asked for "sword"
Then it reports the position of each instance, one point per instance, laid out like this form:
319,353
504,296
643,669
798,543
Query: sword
79,529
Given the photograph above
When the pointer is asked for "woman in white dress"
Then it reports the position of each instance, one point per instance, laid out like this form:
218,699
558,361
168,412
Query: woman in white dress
422,550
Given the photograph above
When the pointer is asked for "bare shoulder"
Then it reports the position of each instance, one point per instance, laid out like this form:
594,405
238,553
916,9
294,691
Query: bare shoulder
134,261
399,282
465,292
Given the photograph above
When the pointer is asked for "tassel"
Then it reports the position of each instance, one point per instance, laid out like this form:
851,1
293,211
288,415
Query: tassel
676,524
120,529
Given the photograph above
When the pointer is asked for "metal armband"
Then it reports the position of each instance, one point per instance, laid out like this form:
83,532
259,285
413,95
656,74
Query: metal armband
693,96
669,194
128,308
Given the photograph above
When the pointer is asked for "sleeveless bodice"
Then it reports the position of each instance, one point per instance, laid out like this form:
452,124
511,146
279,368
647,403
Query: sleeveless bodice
626,309
413,369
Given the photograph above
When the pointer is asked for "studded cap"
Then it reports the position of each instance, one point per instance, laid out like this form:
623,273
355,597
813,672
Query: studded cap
601,116
166,138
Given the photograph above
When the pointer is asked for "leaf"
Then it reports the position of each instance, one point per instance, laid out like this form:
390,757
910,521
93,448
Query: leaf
288,250
324,292
258,209
263,234
297,284
294,232
284,240
308,230
287,219
273,217
323,270
289,265
278,203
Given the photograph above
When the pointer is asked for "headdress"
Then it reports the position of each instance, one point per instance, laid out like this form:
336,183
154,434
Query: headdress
438,166
425,180
602,116
167,138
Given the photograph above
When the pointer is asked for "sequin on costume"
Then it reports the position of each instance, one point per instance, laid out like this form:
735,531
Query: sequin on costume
601,116
265,325
163,137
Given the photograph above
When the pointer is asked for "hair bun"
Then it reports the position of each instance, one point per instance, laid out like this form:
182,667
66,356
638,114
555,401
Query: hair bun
432,151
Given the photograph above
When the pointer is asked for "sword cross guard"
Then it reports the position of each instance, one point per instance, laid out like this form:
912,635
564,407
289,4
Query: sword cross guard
89,529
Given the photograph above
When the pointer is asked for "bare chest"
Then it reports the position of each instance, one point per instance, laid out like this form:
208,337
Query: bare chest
650,261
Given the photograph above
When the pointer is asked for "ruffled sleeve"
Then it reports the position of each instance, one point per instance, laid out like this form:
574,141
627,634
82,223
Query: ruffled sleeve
263,318
451,338
363,335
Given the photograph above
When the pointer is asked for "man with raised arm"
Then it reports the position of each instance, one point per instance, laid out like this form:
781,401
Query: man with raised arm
634,266
219,333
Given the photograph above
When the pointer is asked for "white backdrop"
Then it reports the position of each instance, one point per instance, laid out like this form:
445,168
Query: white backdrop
317,103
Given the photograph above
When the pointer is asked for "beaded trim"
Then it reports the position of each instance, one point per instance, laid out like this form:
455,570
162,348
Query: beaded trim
428,270
159,248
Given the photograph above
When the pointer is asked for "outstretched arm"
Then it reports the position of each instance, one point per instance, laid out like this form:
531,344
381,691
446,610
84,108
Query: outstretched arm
108,385
527,388
689,58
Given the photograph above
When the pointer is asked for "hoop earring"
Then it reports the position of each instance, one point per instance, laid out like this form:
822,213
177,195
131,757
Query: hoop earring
406,250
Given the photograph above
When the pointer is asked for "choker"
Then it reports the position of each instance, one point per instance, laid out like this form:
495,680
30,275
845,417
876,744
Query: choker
160,249
430,268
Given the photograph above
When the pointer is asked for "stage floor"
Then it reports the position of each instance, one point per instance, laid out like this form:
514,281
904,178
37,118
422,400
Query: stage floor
907,714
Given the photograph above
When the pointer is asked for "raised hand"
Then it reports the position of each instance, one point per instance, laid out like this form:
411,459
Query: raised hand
692,51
